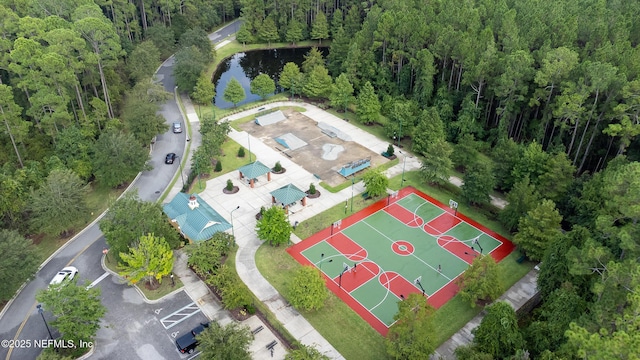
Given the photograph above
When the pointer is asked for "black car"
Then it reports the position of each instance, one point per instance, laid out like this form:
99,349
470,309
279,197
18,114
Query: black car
171,157
187,343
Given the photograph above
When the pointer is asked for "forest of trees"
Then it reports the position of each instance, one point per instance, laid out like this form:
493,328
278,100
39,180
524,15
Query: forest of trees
536,99
76,94
539,100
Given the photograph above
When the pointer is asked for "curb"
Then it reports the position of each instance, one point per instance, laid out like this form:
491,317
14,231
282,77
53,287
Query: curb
55,253
144,297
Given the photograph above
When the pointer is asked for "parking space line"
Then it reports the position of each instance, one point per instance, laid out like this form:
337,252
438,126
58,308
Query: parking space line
179,316
102,277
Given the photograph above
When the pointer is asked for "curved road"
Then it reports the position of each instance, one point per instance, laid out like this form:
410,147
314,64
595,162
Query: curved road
20,322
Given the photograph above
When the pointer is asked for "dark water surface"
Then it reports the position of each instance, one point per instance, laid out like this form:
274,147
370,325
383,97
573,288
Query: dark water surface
247,65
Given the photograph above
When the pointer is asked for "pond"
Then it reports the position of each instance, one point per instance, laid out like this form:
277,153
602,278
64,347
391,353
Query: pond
246,66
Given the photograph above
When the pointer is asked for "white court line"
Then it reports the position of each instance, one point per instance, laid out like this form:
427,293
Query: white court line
102,277
412,255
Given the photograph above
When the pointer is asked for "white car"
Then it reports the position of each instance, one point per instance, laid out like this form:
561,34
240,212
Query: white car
65,274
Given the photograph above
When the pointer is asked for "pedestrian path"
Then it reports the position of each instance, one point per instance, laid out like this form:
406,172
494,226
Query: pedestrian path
247,202
250,200
516,296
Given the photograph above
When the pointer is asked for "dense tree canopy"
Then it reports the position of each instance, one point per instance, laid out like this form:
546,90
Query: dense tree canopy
129,219
149,259
225,342
77,310
274,227
413,334
307,289
17,253
59,203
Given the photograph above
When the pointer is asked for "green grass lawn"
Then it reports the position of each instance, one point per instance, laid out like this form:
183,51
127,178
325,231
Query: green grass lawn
230,162
341,326
353,337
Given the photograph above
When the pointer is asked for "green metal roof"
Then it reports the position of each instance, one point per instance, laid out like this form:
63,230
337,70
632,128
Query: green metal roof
197,224
288,194
253,170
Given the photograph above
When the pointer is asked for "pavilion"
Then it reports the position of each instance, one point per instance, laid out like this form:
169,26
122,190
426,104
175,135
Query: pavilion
253,170
288,195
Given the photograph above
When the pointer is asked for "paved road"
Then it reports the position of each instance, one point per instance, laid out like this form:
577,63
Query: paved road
19,320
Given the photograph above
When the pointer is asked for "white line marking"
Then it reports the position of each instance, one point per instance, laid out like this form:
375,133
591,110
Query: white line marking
102,277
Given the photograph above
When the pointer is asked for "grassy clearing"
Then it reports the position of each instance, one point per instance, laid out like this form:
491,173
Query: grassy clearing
342,327
230,162
271,318
456,312
336,322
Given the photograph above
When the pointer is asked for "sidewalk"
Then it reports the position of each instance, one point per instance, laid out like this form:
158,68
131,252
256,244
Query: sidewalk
516,296
250,201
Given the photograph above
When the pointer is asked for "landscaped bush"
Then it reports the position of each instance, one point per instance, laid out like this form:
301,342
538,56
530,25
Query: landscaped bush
390,150
277,167
229,185
241,152
233,294
218,166
205,257
312,189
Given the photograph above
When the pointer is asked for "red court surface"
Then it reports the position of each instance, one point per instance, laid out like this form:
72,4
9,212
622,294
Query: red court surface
366,270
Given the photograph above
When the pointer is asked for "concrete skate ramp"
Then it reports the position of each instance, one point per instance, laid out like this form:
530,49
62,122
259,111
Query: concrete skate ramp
290,141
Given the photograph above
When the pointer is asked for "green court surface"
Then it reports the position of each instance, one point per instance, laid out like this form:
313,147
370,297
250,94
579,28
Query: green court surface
403,244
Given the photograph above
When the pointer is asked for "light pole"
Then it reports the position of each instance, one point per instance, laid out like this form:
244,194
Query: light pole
232,230
353,180
404,162
249,142
41,311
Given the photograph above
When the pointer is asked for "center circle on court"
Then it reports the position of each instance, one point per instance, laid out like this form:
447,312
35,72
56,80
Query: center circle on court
402,248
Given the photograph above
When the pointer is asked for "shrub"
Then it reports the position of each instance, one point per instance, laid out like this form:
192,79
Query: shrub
229,185
278,167
312,189
218,166
241,152
390,150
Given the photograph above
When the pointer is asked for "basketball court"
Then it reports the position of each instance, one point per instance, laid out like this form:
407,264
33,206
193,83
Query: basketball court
406,243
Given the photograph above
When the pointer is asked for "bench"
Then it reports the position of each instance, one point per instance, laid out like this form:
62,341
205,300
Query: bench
271,345
257,330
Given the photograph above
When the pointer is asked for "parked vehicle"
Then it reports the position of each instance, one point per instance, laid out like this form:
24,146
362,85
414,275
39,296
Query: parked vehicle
187,343
64,275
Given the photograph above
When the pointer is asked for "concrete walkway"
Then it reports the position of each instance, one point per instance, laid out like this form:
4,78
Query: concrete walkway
516,296
250,201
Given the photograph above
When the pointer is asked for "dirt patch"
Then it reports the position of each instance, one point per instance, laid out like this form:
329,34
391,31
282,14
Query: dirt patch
310,157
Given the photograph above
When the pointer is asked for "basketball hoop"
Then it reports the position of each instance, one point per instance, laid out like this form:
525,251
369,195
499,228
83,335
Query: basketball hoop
454,205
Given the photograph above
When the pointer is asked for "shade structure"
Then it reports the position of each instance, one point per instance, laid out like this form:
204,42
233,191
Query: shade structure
288,195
